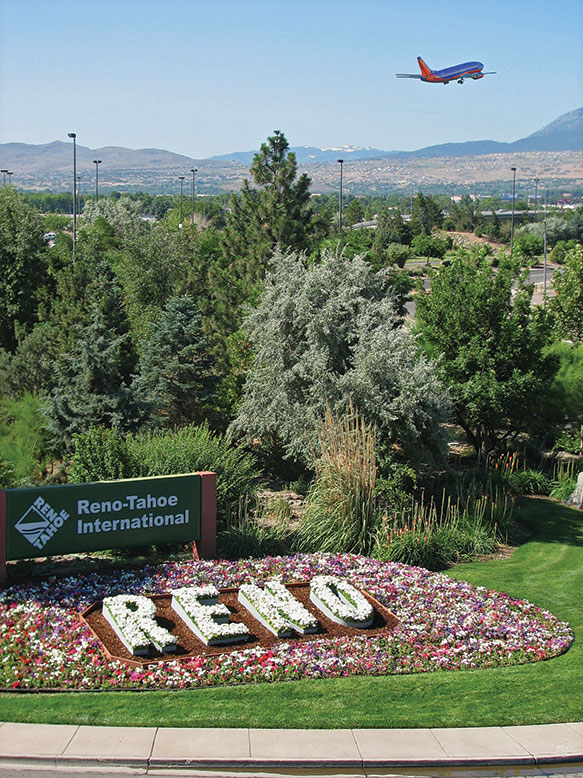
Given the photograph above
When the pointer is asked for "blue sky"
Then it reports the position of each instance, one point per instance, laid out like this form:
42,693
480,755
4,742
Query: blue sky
203,78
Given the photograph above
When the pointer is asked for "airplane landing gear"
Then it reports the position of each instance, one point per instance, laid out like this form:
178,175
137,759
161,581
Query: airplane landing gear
460,81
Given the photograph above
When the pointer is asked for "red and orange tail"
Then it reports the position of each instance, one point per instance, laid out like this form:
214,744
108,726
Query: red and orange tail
425,69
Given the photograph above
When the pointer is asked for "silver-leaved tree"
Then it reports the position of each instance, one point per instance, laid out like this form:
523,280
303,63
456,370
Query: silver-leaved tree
327,333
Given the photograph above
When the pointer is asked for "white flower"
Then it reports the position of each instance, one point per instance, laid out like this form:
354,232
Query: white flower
132,617
209,622
277,609
341,602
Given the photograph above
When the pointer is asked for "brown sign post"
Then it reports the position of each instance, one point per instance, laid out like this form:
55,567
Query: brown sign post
49,520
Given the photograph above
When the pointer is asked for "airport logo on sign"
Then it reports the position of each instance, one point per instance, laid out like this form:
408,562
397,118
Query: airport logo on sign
40,522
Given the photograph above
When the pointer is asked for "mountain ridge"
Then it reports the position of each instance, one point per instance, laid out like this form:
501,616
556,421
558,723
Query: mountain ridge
563,134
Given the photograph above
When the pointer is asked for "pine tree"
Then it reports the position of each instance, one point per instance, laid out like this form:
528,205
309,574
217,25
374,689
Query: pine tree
275,212
176,381
93,382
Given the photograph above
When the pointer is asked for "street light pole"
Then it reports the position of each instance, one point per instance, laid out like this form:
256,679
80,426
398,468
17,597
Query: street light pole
97,164
73,135
181,179
4,171
341,161
535,197
545,249
512,219
194,171
79,193
10,173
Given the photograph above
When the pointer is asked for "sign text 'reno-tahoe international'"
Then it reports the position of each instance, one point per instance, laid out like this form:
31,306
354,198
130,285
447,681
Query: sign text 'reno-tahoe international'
94,516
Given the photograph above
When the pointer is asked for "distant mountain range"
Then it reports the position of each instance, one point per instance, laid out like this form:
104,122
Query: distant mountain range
562,134
48,167
57,156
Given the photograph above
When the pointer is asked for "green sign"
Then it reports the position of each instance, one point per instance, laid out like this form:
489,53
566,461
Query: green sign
112,514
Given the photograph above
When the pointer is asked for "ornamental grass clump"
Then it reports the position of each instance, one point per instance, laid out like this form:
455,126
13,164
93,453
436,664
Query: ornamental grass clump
341,510
435,535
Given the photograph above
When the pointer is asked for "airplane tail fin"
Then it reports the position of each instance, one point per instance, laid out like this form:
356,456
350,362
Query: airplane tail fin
425,69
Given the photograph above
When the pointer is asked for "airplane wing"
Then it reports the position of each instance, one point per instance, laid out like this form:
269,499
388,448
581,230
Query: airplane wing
407,75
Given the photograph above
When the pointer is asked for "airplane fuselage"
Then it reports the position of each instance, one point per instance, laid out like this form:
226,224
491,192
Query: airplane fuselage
455,73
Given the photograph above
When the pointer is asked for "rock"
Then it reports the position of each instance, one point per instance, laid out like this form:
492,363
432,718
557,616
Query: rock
576,499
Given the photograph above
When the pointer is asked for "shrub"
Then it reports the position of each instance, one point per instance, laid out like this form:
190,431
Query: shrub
398,254
7,479
170,452
564,479
100,455
529,482
24,436
570,442
247,531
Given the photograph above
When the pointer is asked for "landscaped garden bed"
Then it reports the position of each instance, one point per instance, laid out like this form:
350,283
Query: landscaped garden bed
444,624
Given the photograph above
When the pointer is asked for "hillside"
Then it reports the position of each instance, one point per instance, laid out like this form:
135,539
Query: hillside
553,154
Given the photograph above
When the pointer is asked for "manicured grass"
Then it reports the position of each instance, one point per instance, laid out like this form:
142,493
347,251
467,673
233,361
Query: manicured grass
547,570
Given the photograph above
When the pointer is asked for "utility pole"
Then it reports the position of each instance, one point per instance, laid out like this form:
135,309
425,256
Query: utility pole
545,250
73,135
194,171
97,164
341,161
181,179
512,218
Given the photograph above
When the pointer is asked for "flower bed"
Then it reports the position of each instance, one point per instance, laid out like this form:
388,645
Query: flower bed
444,624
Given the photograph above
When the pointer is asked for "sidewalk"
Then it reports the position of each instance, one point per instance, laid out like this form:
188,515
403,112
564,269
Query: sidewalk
362,752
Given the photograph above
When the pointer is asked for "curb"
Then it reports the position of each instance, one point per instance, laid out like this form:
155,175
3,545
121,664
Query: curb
216,750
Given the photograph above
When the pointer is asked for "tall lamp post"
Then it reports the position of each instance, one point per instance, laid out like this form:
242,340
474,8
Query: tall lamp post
73,135
545,249
9,173
97,163
181,179
194,171
4,171
535,197
341,162
512,217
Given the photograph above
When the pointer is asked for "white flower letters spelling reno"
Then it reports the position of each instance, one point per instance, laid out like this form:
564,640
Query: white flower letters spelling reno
199,609
277,609
132,618
341,602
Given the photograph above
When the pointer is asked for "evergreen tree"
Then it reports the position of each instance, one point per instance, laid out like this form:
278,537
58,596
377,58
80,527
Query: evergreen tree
93,382
175,380
427,214
276,212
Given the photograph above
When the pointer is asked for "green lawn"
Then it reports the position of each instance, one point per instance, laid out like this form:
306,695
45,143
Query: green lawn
547,570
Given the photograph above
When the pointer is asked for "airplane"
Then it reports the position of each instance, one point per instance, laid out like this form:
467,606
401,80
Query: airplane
456,73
